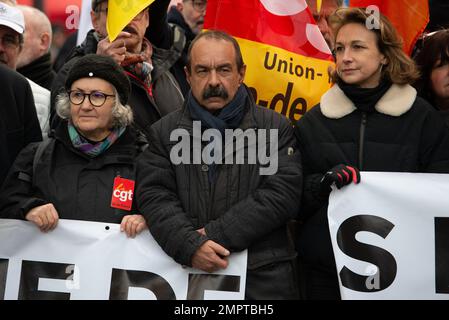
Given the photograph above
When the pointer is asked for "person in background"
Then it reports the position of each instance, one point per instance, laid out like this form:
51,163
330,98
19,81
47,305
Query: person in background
433,63
86,171
439,18
370,120
34,59
155,91
65,51
12,27
321,16
188,15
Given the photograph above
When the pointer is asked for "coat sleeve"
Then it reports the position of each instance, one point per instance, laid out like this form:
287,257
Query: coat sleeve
159,32
272,205
313,197
16,196
157,200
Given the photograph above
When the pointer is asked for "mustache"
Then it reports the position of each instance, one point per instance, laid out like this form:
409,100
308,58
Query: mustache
218,92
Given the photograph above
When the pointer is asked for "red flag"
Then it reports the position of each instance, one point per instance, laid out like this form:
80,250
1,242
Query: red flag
410,17
286,55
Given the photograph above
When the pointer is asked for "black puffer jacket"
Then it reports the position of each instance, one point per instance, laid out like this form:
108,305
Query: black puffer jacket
404,134
148,107
241,210
78,186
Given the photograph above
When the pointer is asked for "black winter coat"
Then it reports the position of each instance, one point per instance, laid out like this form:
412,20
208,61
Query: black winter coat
39,71
78,186
404,134
19,125
241,210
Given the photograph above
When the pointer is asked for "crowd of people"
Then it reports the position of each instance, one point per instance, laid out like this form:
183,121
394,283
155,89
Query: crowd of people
109,113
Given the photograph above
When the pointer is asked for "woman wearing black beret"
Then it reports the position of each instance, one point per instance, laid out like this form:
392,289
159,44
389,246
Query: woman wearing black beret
86,169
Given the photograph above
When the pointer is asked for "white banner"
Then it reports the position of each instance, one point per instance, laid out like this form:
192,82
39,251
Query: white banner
90,260
390,236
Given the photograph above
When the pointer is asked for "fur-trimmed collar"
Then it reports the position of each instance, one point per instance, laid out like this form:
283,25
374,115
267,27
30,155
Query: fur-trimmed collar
395,102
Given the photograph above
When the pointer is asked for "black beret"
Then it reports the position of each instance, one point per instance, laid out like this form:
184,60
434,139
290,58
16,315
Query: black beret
96,66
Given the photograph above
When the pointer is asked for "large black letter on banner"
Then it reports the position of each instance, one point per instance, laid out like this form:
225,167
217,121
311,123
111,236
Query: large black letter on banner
33,270
123,279
442,255
198,283
385,262
3,273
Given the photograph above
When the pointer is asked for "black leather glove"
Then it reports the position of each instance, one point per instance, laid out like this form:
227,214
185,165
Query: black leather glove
341,175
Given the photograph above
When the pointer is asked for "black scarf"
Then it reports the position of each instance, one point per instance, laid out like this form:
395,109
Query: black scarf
229,117
365,99
39,71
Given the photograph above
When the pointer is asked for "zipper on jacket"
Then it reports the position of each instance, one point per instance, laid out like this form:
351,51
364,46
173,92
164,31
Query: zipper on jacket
362,140
208,198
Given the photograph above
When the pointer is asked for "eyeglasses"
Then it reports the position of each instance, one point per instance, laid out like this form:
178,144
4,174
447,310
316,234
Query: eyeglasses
96,98
199,5
10,41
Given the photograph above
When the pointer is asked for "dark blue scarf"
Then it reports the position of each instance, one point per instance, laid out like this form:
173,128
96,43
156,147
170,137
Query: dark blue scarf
229,117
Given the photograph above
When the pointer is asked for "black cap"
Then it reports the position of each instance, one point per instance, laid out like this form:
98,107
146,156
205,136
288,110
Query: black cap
96,66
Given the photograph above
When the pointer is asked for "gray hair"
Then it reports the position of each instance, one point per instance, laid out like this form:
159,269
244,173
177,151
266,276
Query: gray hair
216,35
122,116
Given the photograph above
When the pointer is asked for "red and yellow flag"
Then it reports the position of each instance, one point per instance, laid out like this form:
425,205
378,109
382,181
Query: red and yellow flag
410,17
287,58
121,12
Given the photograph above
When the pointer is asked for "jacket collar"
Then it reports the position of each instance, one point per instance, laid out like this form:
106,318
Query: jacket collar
185,120
396,101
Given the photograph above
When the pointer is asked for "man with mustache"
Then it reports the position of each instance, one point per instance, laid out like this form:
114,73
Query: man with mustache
202,212
155,92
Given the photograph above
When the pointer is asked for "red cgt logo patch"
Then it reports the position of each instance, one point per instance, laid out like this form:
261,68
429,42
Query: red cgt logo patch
122,193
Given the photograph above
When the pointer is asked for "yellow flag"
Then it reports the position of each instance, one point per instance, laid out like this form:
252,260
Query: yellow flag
318,5
121,12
